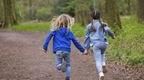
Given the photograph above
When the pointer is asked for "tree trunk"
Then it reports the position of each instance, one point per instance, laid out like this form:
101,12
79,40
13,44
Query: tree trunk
102,7
140,11
6,13
82,10
128,7
1,9
30,10
14,12
9,13
1,15
112,15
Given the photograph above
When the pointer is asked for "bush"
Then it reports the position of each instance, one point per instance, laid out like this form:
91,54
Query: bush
129,45
78,30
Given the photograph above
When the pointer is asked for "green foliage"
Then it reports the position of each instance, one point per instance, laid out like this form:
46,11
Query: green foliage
65,6
44,13
41,10
127,7
129,45
78,30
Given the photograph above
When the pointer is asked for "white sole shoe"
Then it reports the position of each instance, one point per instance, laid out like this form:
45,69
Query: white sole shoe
101,76
59,66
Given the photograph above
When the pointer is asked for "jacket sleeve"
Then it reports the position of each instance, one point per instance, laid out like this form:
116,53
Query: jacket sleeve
109,32
47,40
87,39
77,44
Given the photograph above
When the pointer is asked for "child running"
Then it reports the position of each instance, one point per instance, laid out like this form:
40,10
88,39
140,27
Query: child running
96,38
62,37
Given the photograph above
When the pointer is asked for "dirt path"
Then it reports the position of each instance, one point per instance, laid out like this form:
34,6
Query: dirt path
21,58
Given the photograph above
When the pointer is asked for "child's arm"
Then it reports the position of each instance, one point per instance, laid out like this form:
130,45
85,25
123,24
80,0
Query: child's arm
87,43
47,40
77,44
110,33
87,39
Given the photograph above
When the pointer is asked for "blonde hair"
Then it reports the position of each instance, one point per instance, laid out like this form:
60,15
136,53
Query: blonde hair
63,20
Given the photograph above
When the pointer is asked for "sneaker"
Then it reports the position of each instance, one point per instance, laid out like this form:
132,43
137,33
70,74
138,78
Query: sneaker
59,66
104,69
101,76
67,78
63,66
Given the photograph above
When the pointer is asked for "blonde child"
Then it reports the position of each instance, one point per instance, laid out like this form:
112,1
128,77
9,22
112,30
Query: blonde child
62,37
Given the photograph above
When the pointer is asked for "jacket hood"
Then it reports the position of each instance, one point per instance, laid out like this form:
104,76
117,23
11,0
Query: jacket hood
63,31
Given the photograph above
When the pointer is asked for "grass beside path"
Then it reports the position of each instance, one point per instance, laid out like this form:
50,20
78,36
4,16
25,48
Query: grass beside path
45,27
32,27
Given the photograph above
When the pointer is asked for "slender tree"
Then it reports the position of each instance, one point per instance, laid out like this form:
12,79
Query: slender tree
1,15
14,18
30,9
112,15
1,9
140,11
6,13
128,6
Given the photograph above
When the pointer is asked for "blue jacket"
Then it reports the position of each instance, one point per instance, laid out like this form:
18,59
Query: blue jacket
62,40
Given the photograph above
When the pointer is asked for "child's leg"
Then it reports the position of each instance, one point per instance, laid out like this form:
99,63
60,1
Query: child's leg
104,63
68,66
103,58
98,58
68,72
58,60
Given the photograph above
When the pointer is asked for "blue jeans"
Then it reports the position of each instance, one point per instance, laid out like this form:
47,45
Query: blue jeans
99,55
64,56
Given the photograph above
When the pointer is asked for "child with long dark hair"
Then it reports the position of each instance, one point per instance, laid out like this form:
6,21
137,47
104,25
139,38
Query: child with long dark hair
96,38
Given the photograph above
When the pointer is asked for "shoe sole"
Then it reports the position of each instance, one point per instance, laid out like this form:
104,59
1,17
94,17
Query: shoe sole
101,78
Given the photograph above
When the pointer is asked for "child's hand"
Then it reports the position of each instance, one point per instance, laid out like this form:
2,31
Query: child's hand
85,52
113,37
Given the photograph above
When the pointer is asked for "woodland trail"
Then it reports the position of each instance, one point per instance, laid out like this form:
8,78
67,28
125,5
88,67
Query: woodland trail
21,58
